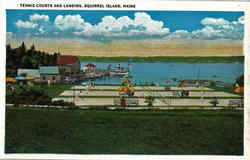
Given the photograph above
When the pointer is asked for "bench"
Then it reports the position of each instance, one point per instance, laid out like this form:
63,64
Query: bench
235,103
167,88
132,101
117,101
129,101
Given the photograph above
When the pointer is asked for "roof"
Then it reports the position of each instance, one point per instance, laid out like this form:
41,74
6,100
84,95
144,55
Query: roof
29,72
49,70
66,60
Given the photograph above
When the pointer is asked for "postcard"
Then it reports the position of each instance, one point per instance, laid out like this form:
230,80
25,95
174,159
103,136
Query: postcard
100,80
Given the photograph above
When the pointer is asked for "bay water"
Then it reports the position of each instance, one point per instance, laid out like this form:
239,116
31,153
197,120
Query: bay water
160,72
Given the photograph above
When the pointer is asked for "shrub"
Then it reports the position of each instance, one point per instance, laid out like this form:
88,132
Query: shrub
29,96
149,100
62,103
214,102
240,80
212,83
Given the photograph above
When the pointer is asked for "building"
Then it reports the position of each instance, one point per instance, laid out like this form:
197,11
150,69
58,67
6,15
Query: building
90,67
49,74
29,72
69,64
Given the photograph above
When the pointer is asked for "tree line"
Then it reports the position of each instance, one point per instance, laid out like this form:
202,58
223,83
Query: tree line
21,57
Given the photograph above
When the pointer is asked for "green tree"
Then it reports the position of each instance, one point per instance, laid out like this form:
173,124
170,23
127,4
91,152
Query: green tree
23,74
240,80
22,49
20,57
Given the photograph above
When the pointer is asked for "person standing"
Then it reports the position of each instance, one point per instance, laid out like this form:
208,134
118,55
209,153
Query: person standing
202,92
123,102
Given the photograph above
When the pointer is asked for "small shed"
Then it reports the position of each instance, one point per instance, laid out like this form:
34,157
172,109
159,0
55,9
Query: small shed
29,72
49,74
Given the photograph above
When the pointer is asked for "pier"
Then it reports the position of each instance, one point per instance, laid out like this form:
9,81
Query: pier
93,74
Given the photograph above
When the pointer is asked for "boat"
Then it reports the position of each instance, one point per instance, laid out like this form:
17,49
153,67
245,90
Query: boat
118,72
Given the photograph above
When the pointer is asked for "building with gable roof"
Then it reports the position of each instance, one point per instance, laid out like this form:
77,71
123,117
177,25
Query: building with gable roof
49,74
29,72
69,64
90,67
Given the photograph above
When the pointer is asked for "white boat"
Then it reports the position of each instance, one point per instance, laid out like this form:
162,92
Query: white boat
118,71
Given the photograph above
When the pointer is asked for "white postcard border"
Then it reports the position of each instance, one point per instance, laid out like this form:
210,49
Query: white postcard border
140,5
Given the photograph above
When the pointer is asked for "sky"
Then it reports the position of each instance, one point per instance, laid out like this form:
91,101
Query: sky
94,27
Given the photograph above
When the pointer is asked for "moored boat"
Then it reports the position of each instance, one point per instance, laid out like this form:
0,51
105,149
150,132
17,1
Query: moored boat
118,71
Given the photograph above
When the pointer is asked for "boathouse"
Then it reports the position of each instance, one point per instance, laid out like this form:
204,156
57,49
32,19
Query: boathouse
69,64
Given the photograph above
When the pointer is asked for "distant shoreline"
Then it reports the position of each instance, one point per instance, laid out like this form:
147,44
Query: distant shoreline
191,59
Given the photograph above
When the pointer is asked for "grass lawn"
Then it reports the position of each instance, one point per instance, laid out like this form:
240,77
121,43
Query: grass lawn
56,89
124,132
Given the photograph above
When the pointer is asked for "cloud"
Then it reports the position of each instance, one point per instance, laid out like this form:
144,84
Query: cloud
25,24
141,26
37,17
151,26
207,32
220,29
41,30
124,26
213,28
144,25
213,22
179,34
69,22
9,35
